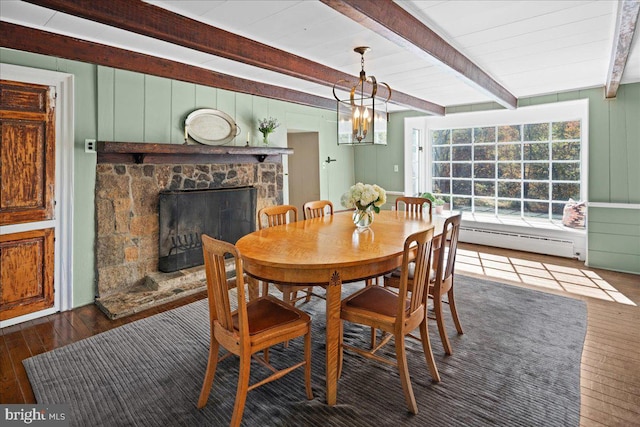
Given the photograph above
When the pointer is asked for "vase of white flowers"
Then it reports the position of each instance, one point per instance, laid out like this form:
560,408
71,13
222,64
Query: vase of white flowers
364,199
266,127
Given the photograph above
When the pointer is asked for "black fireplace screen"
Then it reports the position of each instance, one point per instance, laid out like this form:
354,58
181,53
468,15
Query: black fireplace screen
224,214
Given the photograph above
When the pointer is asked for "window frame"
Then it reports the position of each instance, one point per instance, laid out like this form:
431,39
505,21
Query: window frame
544,113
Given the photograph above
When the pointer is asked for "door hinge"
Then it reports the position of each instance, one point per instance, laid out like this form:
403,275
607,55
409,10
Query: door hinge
53,95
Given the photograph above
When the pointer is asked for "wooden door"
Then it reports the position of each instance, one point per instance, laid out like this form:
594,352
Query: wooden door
27,184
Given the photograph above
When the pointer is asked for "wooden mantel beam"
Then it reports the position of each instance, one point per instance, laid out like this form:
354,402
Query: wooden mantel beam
153,21
397,25
626,23
36,41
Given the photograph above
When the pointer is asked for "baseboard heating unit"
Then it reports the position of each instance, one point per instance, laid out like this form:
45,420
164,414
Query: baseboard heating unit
523,242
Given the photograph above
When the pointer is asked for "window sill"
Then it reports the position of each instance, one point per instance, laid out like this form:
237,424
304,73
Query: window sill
534,226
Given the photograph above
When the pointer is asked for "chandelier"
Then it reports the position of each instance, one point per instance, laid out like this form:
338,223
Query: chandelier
360,120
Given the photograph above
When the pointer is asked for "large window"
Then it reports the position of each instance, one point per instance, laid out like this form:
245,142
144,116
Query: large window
526,163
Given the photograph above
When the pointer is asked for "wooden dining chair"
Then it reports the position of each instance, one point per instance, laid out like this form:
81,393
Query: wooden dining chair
445,249
413,204
397,314
441,279
280,215
317,208
253,327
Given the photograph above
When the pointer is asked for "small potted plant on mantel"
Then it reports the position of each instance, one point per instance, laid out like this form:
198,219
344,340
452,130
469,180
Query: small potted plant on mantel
436,200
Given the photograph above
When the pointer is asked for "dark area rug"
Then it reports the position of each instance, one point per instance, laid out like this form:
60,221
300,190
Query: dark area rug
517,364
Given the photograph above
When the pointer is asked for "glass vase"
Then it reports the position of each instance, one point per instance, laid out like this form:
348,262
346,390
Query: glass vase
265,139
363,218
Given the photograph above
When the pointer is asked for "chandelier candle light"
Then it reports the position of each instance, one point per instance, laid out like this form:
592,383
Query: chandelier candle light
365,199
360,120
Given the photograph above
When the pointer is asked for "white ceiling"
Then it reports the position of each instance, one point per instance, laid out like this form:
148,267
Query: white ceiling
529,47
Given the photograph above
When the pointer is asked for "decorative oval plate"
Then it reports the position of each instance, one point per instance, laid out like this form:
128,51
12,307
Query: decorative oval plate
211,127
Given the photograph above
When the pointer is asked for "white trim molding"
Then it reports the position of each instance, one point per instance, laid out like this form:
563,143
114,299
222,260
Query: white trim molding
63,84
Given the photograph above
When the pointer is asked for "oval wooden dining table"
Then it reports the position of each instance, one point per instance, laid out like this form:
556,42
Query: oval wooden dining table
329,251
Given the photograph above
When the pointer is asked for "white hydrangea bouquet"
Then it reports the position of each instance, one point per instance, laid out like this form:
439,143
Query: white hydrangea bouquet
364,198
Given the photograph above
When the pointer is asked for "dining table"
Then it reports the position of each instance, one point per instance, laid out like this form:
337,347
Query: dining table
329,251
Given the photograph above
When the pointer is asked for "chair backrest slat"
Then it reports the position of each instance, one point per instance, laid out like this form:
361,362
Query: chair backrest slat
413,204
448,248
277,215
317,209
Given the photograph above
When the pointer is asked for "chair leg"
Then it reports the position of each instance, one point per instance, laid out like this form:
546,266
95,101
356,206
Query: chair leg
241,393
210,373
428,354
374,332
401,357
265,354
454,311
340,349
307,368
437,308
286,297
309,293
265,289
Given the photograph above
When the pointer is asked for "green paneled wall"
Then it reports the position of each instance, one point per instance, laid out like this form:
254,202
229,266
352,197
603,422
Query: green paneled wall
614,238
614,171
117,105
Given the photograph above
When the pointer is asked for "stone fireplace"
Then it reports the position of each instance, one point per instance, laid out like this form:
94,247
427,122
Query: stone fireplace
127,224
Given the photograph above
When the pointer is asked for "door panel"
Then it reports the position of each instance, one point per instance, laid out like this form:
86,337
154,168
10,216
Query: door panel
27,154
26,272
27,184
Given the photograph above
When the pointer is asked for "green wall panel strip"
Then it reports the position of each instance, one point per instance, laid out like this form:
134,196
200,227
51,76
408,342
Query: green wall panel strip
86,125
206,97
614,243
619,182
614,228
244,118
544,99
129,106
613,216
632,111
183,102
106,106
33,60
157,109
612,261
599,153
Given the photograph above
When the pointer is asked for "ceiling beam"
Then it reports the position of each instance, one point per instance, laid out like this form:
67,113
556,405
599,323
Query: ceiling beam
36,41
153,21
397,25
626,22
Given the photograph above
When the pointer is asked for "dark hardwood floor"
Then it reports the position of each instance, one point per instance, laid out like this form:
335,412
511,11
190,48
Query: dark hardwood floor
610,370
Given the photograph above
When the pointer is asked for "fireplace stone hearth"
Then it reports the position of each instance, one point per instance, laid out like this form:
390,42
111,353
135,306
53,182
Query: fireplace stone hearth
127,226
